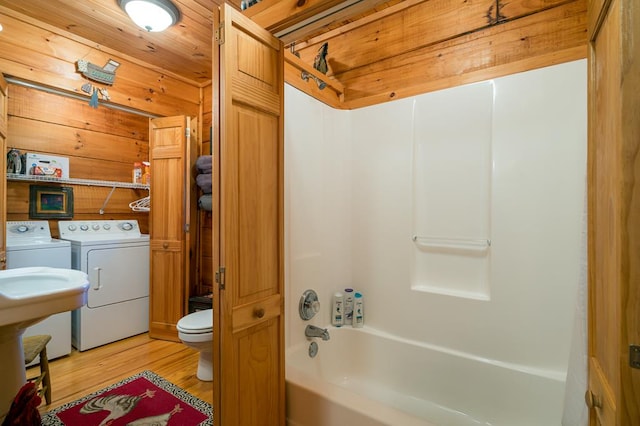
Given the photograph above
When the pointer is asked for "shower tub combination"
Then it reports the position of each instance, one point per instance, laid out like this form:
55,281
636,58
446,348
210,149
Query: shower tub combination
364,377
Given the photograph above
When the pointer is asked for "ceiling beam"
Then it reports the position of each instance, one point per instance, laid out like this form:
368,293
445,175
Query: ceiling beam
327,19
293,20
277,15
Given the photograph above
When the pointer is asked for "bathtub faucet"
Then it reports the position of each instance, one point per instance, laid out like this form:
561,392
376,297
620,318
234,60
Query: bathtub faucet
313,331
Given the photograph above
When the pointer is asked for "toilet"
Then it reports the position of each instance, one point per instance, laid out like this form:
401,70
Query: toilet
196,331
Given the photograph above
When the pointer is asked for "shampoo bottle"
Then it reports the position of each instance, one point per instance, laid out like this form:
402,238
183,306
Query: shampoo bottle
337,313
348,306
358,310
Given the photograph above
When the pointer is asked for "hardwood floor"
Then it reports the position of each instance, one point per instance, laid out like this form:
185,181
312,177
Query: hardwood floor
81,373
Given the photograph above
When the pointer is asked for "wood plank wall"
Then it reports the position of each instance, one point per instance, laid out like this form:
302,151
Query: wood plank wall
430,45
101,143
37,52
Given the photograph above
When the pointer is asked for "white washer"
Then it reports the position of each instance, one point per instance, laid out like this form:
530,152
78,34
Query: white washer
115,256
29,243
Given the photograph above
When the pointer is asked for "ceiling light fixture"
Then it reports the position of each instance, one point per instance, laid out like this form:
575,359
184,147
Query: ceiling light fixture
151,15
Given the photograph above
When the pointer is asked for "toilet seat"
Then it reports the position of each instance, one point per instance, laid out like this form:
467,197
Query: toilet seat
199,322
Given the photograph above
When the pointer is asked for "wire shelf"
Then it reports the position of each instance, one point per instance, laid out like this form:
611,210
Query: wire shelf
75,181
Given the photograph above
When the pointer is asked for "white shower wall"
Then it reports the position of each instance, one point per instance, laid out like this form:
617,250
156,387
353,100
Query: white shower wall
317,205
349,217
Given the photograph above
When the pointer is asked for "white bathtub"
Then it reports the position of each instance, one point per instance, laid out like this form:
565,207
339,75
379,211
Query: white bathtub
363,377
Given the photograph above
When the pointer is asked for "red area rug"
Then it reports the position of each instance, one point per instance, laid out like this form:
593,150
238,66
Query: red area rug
143,399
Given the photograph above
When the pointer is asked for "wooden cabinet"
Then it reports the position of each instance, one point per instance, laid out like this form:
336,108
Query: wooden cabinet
3,168
249,375
614,212
172,145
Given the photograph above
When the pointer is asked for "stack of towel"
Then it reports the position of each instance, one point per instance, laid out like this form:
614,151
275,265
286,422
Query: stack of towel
204,167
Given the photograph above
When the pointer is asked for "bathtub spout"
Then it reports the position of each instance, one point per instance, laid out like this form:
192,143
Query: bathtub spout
313,331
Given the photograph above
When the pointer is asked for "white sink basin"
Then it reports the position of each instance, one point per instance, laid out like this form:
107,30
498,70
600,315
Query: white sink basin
34,293
29,295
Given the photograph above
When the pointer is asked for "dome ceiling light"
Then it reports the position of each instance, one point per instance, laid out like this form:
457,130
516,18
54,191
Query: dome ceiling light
151,15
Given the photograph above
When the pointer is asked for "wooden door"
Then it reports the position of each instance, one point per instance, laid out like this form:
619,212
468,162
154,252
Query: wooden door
171,142
3,168
250,321
614,212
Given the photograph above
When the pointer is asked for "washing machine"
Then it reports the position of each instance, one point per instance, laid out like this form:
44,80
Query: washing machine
115,256
29,243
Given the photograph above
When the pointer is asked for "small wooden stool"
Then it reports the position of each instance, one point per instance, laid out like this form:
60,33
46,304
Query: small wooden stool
32,347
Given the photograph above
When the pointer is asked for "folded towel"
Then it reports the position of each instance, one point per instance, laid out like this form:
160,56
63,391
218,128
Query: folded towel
205,202
204,163
204,182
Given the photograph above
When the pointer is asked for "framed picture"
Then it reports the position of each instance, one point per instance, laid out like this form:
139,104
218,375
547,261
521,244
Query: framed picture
50,202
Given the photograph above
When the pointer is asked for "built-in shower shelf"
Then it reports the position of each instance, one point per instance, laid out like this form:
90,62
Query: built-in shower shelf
75,181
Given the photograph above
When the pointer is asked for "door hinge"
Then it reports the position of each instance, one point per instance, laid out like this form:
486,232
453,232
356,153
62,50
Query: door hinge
186,228
220,34
634,356
186,132
220,277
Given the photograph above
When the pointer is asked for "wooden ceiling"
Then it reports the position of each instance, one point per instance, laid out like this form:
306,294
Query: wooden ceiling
378,50
184,49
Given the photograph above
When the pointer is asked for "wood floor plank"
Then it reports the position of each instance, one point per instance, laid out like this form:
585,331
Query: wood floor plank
82,373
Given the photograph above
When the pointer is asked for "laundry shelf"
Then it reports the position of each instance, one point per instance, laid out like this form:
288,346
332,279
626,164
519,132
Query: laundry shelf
74,181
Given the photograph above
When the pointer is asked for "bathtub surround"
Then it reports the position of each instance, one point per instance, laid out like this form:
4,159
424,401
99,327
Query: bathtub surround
351,215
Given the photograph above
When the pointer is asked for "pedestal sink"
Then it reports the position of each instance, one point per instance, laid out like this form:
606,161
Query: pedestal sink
27,296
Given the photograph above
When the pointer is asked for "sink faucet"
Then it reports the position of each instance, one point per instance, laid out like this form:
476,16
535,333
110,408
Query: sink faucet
313,331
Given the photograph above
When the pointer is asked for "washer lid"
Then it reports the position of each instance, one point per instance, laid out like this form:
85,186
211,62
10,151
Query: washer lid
196,322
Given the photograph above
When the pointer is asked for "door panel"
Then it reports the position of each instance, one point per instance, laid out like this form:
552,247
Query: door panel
169,145
257,139
251,233
614,212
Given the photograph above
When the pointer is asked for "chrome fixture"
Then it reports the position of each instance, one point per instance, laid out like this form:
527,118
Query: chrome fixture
313,349
309,305
306,76
151,15
313,331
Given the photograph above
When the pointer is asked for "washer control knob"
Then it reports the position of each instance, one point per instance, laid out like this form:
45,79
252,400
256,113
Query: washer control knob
95,227
106,226
22,228
72,227
127,226
84,227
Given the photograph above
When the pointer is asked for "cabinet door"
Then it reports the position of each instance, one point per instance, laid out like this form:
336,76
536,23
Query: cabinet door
169,145
251,160
614,212
3,168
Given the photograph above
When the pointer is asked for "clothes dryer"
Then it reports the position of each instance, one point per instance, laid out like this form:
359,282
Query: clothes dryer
115,256
29,243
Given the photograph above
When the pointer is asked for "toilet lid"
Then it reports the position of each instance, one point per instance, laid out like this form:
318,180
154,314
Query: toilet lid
197,322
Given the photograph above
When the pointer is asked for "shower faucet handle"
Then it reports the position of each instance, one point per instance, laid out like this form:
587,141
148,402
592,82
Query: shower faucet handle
309,305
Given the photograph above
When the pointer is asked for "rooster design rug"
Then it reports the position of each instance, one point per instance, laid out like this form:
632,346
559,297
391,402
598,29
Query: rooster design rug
143,399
